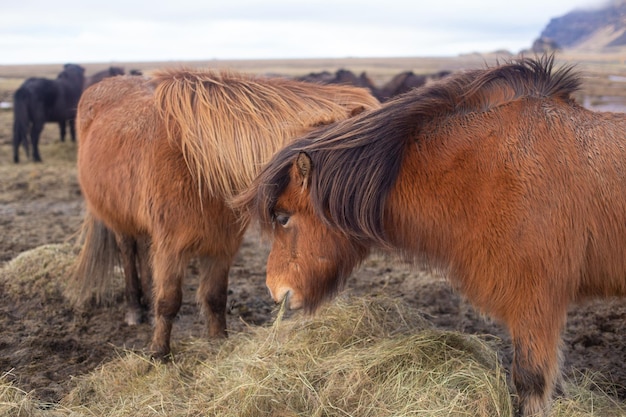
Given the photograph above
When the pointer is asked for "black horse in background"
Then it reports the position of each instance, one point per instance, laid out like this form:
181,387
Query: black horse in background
99,76
41,100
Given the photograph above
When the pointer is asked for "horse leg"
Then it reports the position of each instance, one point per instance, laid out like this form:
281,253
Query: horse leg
35,132
17,139
213,292
72,123
128,251
168,273
145,270
537,359
62,129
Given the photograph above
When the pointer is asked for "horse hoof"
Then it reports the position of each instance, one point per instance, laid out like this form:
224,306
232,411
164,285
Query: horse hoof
133,317
163,355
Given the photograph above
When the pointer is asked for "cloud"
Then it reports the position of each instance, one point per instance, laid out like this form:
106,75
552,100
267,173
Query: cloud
62,31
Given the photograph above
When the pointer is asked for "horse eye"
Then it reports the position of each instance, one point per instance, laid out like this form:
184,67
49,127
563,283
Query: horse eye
281,218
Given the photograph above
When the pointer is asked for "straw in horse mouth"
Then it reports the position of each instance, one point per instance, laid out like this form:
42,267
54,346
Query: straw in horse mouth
285,297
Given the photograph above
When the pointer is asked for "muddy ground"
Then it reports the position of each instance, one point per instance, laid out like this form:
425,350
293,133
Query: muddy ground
44,343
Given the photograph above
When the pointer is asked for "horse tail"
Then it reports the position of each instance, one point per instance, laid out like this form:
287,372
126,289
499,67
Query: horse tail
20,121
95,264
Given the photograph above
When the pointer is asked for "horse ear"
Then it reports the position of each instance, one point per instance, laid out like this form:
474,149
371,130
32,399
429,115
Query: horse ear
303,163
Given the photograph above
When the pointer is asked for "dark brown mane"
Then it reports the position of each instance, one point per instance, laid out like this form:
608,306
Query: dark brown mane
356,162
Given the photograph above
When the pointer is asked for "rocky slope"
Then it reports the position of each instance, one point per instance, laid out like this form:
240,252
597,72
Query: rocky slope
599,29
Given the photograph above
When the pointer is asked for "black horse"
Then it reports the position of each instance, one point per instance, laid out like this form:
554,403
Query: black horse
41,100
99,76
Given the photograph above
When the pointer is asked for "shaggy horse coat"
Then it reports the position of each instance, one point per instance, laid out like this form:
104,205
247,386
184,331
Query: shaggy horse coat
496,176
157,161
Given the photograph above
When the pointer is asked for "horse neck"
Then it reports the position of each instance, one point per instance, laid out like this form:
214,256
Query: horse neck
441,190
73,84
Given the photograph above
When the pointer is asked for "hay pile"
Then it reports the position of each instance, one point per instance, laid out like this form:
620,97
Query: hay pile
39,273
360,357
357,357
17,403
45,273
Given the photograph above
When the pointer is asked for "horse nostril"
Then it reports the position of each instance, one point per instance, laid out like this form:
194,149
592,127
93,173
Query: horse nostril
280,295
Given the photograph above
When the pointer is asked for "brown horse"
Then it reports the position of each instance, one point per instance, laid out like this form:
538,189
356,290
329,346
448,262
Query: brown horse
157,160
495,175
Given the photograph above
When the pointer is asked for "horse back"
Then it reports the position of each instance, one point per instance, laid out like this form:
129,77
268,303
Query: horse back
117,129
102,99
52,100
534,188
38,91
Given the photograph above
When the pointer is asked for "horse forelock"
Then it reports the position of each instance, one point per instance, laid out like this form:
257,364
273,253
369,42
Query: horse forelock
228,125
350,177
356,162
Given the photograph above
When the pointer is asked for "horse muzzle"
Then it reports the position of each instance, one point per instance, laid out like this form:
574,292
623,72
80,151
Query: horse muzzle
286,294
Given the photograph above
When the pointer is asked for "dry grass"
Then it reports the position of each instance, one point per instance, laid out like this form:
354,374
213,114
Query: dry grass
357,357
38,273
43,273
379,69
585,397
16,403
28,180
6,126
52,149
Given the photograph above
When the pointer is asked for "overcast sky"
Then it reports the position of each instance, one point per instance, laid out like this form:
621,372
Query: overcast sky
59,31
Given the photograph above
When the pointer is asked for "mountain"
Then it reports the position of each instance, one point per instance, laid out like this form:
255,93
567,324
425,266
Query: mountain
596,29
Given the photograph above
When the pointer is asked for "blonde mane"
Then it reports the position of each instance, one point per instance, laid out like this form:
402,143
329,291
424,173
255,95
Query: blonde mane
229,125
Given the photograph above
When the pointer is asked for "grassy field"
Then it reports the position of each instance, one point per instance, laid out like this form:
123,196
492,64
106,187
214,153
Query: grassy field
602,72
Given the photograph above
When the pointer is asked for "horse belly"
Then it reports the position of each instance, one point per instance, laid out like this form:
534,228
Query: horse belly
109,172
191,221
605,216
605,270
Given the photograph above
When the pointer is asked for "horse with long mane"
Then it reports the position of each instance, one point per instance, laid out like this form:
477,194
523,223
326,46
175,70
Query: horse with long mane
41,100
496,176
157,161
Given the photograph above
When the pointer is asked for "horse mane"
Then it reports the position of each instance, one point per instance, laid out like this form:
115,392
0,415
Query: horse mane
228,124
356,162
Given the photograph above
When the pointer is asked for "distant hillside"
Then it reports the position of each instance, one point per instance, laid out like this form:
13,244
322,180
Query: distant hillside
593,29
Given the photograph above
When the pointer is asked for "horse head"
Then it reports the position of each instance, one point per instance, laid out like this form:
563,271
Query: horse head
113,71
74,74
